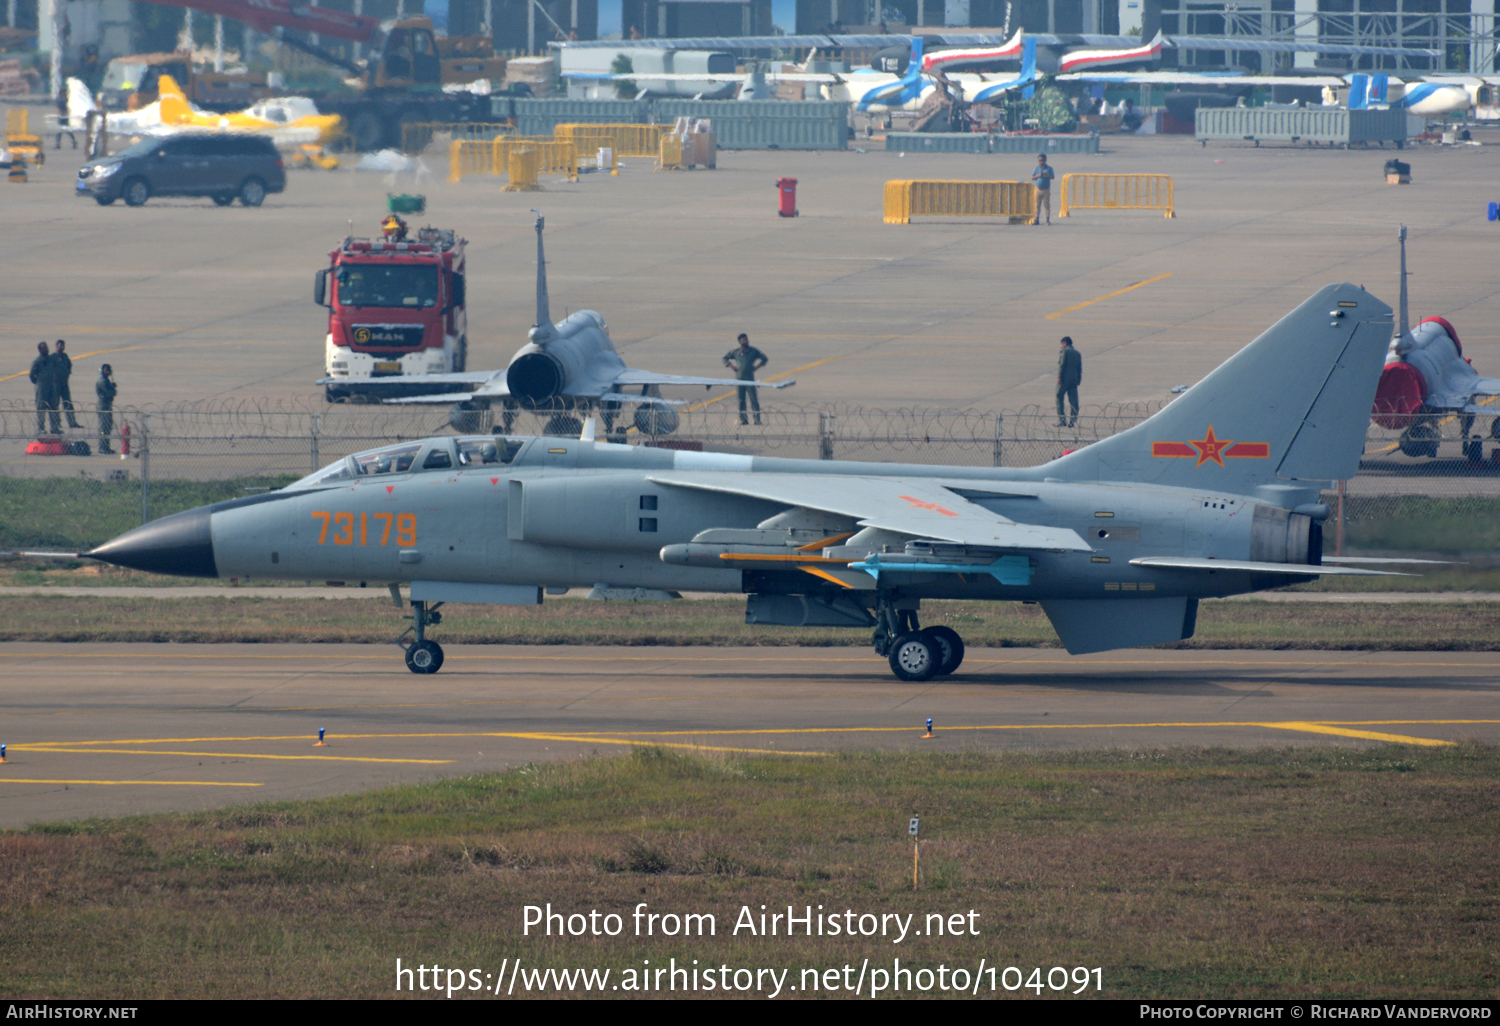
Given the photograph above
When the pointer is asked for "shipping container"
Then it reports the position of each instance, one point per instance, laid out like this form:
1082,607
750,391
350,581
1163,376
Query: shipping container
964,142
766,124
1310,125
538,116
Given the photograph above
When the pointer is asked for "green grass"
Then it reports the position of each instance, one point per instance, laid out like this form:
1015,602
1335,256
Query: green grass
78,513
1187,873
1417,523
115,616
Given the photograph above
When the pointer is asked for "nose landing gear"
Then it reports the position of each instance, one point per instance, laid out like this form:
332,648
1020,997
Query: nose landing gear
422,656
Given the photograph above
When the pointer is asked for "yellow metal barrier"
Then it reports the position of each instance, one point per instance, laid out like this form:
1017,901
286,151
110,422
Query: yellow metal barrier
19,138
907,199
671,155
625,140
523,170
1117,192
493,157
416,135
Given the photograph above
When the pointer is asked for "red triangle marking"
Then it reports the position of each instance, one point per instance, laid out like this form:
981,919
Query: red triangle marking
494,480
390,488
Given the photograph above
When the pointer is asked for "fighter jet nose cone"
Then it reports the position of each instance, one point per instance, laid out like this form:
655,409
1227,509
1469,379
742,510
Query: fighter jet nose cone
179,544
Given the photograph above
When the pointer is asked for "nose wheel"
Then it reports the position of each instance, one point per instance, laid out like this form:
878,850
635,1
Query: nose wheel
422,655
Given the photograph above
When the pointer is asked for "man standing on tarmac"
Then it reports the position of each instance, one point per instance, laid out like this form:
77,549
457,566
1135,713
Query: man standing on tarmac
44,377
1069,377
62,370
745,361
104,391
1042,177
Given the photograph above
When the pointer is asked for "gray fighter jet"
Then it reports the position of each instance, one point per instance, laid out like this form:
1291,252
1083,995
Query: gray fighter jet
564,367
1215,495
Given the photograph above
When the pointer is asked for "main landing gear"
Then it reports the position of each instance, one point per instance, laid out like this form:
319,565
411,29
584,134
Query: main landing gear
915,653
422,656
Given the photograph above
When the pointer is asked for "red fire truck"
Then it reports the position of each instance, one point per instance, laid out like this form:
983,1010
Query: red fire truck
394,309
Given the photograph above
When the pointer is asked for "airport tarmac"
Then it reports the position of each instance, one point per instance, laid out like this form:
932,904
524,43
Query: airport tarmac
190,302
116,729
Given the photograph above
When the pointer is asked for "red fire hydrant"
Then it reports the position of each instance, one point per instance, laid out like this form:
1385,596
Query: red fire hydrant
124,439
787,187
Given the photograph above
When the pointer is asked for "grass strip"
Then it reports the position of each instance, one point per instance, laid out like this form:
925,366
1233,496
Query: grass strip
1348,626
1185,873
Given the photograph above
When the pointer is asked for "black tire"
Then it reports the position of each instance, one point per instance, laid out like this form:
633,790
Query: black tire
367,131
223,199
252,192
461,355
425,657
913,658
949,646
104,201
136,192
1474,450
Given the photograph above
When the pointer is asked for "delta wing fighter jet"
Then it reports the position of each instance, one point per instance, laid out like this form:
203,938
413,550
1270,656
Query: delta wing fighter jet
565,366
1215,495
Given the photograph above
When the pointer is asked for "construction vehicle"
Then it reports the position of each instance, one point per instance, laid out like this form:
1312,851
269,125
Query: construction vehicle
133,82
402,81
395,308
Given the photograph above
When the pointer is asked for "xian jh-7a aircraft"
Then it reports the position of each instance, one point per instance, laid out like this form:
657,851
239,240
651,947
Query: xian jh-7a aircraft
288,120
571,365
1217,494
1426,378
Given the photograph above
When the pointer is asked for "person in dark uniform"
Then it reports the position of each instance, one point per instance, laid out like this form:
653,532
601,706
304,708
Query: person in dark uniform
745,361
62,370
1069,377
43,376
104,392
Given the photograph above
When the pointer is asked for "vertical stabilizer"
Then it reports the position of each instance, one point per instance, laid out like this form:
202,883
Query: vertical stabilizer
174,108
1291,406
1359,92
1028,68
543,331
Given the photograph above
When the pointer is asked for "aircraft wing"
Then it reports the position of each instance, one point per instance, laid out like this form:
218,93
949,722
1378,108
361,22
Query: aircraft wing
438,397
645,377
1463,401
920,507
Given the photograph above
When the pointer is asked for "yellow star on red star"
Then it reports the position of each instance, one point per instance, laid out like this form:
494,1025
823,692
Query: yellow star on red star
1210,448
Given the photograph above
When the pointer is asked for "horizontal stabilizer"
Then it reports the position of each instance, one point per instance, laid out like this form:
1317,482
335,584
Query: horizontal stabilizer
645,377
1253,567
440,397
1382,559
407,380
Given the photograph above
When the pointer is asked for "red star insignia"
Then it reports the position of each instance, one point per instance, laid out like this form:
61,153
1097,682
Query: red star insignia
1210,448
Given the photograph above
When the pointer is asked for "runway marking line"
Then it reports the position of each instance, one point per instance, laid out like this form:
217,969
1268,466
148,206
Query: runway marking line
511,655
55,748
164,783
1111,295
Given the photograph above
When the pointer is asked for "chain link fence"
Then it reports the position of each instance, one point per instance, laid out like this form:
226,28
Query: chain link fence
170,458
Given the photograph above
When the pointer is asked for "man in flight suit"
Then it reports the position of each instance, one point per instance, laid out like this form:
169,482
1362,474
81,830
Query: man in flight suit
1069,376
105,390
43,376
62,370
745,361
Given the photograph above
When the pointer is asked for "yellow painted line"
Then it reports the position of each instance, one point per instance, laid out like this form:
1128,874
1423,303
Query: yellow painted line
52,749
131,349
164,783
1112,295
1368,735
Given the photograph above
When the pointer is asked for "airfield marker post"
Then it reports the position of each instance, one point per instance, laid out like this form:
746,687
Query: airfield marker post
914,829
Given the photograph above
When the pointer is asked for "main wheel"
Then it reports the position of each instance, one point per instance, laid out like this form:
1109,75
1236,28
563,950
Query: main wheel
949,647
913,657
104,201
136,192
367,130
252,193
222,199
425,657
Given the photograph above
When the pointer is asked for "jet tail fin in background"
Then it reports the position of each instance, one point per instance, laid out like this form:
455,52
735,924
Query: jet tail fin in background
1359,92
543,331
175,109
1028,68
1291,406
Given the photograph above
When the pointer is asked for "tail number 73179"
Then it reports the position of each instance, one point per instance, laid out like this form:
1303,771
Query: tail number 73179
366,528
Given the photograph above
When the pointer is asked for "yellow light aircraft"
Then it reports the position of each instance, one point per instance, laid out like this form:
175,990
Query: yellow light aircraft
290,120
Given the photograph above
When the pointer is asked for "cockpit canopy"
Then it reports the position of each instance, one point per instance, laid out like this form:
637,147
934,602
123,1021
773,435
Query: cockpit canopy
416,457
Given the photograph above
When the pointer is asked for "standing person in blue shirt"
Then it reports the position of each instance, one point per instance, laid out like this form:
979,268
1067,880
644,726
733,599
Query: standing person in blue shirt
1042,177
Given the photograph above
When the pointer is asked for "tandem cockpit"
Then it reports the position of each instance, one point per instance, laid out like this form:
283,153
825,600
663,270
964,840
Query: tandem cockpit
416,457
